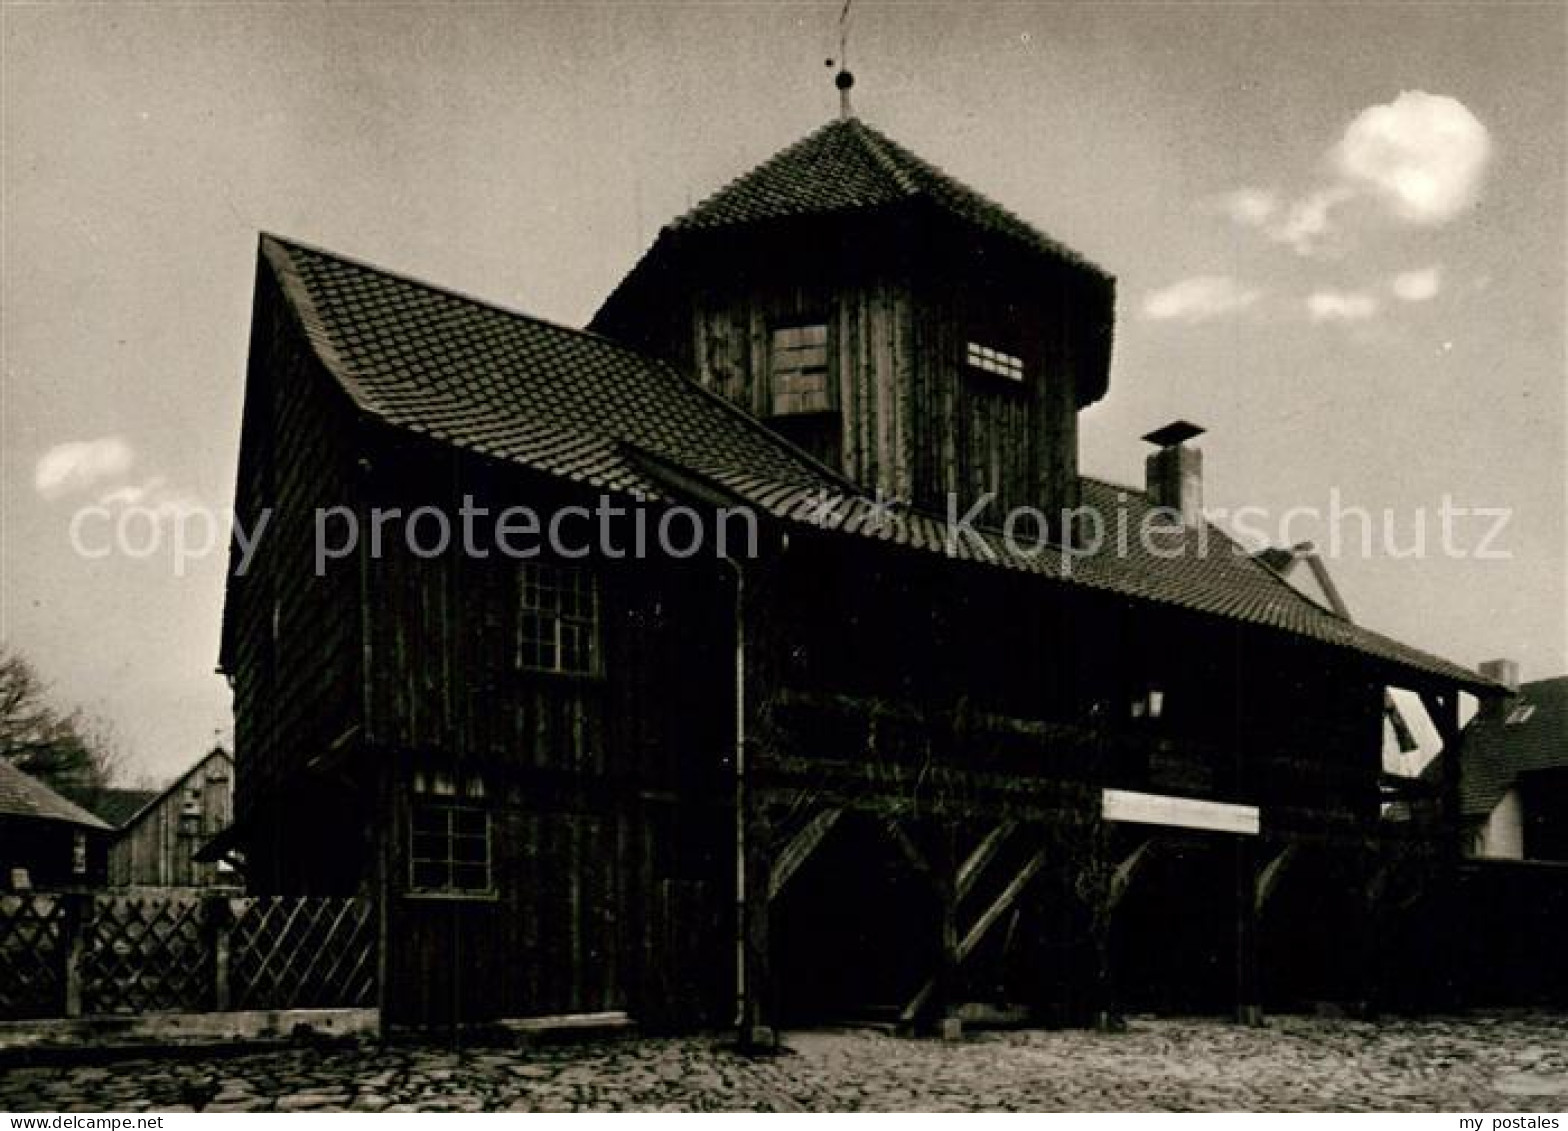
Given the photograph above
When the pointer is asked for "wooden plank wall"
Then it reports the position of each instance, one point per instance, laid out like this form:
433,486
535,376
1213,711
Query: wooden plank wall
296,652
605,790
158,849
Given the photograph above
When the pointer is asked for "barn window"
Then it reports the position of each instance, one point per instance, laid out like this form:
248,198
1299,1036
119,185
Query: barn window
558,619
449,848
800,369
995,361
1520,714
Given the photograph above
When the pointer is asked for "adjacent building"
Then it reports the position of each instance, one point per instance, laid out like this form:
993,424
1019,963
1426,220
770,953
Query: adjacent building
1514,788
157,845
47,841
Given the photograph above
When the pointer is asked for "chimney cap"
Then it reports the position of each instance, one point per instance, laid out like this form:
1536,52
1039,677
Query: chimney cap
1176,432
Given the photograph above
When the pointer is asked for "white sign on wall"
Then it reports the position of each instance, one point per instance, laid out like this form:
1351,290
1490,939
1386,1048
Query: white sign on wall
1179,812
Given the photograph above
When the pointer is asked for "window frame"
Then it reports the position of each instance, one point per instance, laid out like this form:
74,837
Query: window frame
587,619
810,401
450,807
994,362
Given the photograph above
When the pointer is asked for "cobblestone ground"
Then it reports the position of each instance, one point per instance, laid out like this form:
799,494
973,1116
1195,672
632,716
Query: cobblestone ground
1515,1063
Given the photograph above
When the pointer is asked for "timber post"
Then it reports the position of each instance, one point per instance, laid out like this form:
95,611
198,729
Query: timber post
1249,997
78,913
757,1031
950,968
219,922
756,650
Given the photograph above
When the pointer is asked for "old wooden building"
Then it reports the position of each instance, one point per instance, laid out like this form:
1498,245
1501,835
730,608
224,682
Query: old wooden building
46,840
157,845
866,761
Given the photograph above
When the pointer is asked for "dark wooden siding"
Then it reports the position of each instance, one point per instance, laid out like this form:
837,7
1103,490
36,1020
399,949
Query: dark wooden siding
293,649
605,791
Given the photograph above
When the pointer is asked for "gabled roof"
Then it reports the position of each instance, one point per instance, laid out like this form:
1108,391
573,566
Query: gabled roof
1495,752
155,797
117,806
847,166
580,407
22,795
561,401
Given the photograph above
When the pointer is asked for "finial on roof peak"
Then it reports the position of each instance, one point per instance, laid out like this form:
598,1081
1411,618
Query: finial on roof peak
844,80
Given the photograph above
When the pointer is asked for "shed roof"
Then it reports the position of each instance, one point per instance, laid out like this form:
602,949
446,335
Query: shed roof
583,408
22,795
1496,751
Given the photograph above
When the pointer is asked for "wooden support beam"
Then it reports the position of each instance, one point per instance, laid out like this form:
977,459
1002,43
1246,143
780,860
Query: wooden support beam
910,850
1269,877
1443,707
956,950
999,907
969,872
799,849
1121,878
1249,996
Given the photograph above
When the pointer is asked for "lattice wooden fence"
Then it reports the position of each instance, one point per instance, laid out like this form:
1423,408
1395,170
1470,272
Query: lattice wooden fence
78,953
301,953
32,955
146,954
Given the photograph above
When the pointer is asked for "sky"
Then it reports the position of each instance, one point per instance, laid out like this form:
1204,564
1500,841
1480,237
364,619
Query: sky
1338,233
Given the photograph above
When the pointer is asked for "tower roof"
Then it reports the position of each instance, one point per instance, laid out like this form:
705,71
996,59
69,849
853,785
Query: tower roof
847,166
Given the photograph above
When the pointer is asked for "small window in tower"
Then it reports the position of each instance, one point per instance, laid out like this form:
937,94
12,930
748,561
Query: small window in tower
995,361
800,369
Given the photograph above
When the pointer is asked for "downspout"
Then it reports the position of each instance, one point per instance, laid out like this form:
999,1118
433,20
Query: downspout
740,788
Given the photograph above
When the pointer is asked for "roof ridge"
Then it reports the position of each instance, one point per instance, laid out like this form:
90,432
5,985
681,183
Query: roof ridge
876,147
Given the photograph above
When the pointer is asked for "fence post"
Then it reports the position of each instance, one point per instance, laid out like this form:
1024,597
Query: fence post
218,917
78,906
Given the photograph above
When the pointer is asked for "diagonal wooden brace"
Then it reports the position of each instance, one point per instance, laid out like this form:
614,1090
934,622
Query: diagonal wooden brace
800,848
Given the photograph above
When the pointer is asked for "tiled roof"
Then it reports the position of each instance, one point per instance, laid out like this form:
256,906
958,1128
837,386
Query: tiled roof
516,388
1495,752
578,406
117,806
22,795
846,166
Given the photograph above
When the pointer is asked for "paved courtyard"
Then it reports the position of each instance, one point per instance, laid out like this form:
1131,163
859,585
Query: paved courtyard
1492,1063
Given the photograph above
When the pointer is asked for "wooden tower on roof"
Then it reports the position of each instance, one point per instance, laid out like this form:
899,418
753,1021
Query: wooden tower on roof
895,323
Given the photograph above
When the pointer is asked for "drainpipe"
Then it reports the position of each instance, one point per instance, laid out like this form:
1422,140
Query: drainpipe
740,790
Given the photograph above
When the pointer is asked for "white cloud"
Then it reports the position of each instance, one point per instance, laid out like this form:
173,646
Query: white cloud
1248,207
78,464
1308,223
1341,306
1199,299
1419,159
1423,155
1417,286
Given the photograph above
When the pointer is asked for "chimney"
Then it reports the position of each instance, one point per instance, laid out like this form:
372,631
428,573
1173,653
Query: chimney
1505,672
1174,473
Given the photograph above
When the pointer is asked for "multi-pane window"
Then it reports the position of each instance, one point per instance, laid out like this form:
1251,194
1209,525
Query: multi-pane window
800,369
995,361
558,619
449,848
